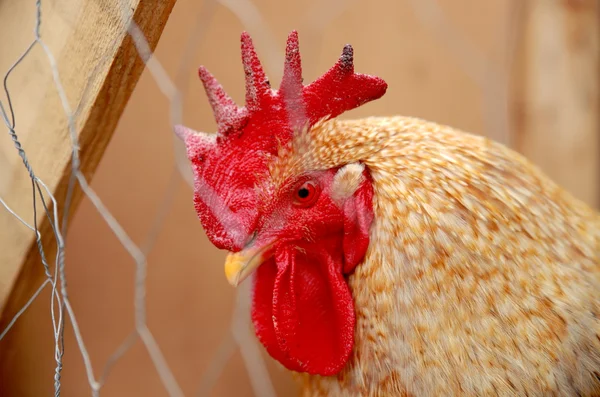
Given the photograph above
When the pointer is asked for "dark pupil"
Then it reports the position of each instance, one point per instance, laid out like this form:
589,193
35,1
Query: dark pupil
303,193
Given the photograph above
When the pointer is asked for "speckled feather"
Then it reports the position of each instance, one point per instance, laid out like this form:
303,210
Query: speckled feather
482,276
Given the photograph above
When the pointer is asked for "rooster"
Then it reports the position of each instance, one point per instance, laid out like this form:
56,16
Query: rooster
393,256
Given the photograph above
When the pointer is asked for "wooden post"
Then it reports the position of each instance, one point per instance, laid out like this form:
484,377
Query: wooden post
99,67
559,124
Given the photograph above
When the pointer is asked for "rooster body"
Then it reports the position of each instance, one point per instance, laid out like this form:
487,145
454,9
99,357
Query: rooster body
393,256
482,276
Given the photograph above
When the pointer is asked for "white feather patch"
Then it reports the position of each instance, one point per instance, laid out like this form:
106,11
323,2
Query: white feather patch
346,181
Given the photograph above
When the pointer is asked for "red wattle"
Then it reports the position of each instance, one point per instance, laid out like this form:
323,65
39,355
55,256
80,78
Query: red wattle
262,311
303,311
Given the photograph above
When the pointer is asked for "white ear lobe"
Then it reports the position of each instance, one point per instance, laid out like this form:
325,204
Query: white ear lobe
346,181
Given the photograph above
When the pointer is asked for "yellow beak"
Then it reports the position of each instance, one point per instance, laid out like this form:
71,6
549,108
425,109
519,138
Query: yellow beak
239,265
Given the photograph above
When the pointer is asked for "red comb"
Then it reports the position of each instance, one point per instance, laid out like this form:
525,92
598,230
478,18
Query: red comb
338,90
247,137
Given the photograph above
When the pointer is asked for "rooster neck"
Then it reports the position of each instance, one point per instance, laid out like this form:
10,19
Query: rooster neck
482,275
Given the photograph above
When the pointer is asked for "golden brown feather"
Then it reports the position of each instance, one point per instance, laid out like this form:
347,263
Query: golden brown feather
482,276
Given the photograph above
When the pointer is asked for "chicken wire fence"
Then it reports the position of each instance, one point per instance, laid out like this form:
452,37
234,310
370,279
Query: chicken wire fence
491,78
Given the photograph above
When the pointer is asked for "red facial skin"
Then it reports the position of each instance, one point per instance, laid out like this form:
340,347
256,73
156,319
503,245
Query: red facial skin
302,307
303,310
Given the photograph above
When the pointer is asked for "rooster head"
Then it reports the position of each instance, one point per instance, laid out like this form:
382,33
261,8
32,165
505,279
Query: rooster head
298,225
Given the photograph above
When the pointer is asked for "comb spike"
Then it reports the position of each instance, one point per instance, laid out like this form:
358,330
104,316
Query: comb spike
292,70
345,65
227,114
340,89
197,144
257,85
187,134
291,84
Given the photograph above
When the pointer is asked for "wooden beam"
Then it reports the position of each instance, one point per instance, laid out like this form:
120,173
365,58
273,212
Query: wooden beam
558,124
99,67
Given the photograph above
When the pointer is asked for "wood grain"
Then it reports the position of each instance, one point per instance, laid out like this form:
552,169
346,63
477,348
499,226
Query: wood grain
558,119
99,68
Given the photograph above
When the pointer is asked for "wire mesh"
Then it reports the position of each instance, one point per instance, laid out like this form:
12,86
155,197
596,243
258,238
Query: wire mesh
491,78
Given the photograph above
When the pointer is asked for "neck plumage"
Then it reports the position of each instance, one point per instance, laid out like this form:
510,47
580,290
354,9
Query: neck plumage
457,220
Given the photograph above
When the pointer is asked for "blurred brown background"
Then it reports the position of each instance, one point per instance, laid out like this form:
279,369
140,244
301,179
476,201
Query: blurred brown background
472,80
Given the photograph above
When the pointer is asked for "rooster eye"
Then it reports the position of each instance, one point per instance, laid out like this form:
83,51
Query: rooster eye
306,194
